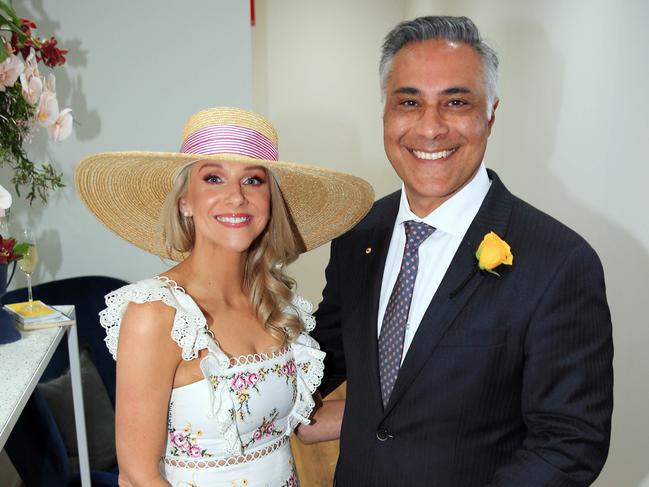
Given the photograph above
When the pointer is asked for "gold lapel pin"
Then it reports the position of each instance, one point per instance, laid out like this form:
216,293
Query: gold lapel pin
368,250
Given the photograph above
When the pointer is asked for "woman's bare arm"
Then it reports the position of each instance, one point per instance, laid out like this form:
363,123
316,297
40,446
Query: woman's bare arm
325,423
147,359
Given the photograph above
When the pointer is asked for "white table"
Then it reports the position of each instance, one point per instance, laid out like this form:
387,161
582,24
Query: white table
21,365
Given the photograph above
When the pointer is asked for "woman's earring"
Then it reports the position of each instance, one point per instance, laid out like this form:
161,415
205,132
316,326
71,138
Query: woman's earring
187,214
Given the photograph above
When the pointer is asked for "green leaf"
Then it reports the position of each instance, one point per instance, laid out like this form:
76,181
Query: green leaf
22,247
3,55
16,29
13,22
6,6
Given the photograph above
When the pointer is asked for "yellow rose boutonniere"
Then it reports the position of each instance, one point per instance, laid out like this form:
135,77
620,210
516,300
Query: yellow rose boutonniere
492,252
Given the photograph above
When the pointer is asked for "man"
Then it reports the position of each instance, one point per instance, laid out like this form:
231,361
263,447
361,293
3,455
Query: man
458,376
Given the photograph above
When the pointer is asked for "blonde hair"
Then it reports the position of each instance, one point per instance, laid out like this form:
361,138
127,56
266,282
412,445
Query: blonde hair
264,276
177,230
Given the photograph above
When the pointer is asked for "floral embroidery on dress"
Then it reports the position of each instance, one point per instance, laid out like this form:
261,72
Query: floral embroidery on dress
305,366
287,370
267,429
242,383
292,481
185,441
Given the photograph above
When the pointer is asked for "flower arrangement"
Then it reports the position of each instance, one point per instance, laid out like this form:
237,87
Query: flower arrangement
9,250
28,100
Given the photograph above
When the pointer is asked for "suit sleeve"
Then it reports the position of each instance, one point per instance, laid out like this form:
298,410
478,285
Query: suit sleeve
567,395
328,330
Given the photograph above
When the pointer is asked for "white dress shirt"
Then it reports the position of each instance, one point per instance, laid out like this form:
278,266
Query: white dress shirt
451,220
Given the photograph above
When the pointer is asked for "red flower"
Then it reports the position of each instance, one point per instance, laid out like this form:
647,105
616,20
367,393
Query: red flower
7,250
46,50
23,46
26,26
52,56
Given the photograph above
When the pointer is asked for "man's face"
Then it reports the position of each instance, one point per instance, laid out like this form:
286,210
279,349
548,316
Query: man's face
435,124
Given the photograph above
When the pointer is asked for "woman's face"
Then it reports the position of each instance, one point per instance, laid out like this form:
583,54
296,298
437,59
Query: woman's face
229,203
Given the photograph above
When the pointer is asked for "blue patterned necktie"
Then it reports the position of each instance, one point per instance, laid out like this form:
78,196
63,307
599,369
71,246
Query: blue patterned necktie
395,319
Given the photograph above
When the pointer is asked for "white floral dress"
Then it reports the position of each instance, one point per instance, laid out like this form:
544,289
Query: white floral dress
231,428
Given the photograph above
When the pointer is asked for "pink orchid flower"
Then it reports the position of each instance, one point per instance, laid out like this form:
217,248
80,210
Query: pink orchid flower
62,126
31,66
48,109
10,69
32,88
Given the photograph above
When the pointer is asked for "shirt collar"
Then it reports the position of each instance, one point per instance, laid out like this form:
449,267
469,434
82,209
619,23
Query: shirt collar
455,215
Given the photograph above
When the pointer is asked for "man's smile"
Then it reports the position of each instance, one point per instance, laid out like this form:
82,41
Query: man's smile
432,155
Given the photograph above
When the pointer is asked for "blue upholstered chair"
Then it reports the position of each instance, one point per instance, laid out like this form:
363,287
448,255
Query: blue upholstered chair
36,446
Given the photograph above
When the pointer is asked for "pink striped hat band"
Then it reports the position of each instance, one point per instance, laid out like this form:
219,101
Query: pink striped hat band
230,139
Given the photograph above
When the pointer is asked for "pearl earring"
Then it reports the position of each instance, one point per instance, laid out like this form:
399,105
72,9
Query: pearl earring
187,214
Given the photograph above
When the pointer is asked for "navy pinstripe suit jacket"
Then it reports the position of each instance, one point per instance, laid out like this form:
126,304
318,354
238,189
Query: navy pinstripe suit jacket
508,381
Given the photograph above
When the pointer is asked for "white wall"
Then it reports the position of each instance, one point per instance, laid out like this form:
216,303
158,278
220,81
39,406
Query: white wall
315,77
568,138
136,71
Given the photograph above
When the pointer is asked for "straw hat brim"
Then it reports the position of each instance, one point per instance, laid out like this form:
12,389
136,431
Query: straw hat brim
126,190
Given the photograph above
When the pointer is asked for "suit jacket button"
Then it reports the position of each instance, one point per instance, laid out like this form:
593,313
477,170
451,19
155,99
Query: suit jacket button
382,435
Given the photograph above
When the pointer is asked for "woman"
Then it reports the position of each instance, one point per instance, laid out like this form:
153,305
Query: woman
215,367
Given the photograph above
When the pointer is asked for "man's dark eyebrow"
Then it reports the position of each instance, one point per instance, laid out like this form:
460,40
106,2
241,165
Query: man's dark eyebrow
407,90
455,90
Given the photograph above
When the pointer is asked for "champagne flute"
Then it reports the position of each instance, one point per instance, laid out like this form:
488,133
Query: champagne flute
28,263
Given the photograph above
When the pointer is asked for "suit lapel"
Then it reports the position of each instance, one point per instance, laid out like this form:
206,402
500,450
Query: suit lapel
458,285
378,243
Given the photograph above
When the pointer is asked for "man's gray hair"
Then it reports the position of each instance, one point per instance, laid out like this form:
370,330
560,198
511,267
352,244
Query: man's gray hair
453,29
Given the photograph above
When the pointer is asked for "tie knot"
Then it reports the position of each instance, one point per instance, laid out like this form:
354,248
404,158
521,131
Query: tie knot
416,233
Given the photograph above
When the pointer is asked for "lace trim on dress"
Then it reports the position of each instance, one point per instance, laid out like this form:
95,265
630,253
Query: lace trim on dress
303,309
170,282
188,327
229,461
252,358
309,360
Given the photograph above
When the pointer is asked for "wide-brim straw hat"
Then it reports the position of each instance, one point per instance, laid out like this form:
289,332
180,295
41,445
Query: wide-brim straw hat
126,190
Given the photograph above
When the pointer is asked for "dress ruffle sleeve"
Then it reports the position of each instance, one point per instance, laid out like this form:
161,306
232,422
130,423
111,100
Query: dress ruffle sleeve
189,327
309,361
214,367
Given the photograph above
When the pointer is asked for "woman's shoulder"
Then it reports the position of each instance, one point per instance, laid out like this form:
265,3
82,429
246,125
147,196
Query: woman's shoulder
149,310
157,305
